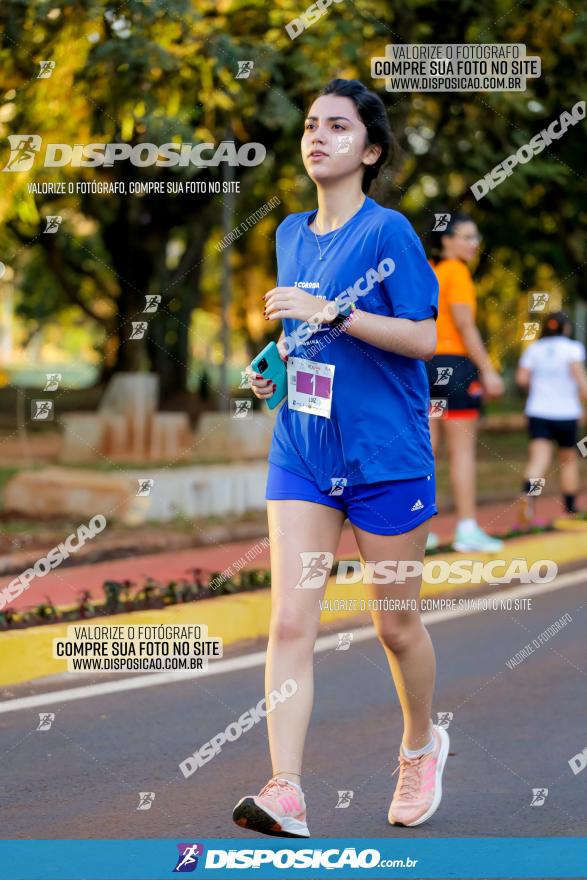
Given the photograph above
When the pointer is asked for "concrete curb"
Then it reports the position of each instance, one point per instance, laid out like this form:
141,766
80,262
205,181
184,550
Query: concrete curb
570,525
26,654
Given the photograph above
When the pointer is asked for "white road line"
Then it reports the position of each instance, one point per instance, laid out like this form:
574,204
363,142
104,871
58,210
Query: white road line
247,661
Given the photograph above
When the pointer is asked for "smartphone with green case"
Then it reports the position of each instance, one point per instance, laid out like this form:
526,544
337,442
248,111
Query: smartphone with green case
268,364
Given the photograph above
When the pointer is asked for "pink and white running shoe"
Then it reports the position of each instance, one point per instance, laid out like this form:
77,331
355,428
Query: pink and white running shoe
419,787
279,810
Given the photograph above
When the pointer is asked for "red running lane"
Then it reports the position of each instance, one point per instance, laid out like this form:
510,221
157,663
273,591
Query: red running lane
64,584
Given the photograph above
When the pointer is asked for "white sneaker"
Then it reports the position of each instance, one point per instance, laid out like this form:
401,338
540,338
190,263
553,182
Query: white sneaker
471,538
432,541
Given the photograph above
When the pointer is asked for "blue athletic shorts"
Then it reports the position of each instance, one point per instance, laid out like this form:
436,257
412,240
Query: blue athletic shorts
389,508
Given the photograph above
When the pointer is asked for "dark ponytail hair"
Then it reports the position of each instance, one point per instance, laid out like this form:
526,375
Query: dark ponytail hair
554,324
373,115
434,239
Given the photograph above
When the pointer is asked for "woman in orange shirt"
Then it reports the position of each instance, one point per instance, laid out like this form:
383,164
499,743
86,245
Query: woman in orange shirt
460,373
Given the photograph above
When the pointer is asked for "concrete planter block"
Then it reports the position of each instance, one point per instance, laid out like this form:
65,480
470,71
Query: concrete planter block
83,437
195,492
170,434
218,435
63,491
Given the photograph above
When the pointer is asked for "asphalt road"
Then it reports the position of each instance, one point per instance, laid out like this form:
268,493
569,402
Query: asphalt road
512,730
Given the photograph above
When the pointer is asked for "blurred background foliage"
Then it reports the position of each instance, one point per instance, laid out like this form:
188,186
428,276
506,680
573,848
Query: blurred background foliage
158,72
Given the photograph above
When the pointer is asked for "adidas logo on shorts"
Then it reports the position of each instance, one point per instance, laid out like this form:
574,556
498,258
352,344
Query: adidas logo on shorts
418,505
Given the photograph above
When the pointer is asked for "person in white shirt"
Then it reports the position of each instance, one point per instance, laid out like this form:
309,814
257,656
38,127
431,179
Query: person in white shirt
553,371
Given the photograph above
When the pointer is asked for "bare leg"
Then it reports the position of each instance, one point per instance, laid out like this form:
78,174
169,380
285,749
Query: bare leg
435,435
539,457
569,465
435,440
461,437
404,637
294,527
540,454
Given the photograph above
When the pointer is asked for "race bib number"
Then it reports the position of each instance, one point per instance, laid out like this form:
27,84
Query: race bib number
309,386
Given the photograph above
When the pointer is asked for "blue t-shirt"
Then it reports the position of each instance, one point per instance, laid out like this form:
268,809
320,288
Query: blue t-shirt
378,425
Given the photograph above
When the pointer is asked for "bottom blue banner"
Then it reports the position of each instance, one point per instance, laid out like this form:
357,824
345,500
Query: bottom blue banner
536,857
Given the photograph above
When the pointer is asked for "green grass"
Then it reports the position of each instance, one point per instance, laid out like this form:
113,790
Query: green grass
19,526
6,473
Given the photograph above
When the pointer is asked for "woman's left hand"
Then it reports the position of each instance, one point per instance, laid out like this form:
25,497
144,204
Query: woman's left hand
291,302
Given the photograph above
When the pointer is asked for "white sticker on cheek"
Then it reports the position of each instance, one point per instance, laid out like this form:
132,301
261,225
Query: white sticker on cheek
345,145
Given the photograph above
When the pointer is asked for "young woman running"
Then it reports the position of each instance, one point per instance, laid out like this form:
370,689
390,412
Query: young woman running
552,369
352,440
461,358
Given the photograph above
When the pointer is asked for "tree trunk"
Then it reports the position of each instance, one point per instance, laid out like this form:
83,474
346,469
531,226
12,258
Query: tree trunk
167,342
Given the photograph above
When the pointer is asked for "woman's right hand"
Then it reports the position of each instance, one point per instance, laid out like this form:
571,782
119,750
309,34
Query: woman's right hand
261,388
